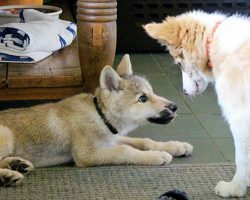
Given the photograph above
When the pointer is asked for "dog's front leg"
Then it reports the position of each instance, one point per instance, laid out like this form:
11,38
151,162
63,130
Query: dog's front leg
238,185
120,155
175,148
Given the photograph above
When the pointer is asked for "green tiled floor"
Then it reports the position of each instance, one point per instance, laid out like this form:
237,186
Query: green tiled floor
199,120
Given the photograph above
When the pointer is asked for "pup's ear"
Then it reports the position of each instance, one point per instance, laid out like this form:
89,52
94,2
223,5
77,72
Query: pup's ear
167,33
109,79
125,67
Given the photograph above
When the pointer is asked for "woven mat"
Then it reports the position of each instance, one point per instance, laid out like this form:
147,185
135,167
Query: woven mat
120,182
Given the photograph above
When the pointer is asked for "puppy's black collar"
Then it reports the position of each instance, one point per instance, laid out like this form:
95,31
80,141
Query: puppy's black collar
106,122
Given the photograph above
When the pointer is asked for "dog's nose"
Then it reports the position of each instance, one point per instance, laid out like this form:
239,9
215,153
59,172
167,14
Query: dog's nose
172,107
185,92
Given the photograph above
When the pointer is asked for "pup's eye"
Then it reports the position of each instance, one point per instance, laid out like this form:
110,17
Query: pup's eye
143,98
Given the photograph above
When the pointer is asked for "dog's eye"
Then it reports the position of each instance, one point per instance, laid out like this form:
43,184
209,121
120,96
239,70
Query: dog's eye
181,56
143,98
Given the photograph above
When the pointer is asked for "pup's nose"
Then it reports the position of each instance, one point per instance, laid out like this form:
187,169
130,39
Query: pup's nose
172,107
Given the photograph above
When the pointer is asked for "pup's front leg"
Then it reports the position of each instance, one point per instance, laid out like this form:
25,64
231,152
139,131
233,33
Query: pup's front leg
175,148
120,155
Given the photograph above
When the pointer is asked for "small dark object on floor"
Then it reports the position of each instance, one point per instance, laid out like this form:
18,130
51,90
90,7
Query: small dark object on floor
174,195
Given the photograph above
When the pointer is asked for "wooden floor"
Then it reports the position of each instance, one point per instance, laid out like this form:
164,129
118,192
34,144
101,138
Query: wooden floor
55,77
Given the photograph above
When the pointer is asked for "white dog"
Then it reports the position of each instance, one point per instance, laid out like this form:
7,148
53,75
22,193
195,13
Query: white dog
215,47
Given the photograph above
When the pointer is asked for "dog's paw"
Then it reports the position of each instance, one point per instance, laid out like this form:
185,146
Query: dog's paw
176,148
18,164
159,158
10,178
229,189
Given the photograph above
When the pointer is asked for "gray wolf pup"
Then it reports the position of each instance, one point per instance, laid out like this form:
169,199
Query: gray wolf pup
89,130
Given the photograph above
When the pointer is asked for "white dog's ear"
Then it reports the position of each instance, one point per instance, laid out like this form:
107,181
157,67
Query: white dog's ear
156,31
109,79
125,67
169,32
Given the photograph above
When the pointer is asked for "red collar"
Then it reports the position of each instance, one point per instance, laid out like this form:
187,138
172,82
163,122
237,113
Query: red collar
208,44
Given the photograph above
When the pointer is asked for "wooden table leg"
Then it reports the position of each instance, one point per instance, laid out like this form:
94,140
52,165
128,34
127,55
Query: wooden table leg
96,23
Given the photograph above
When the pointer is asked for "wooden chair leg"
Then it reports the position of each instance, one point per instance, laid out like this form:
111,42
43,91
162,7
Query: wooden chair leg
96,23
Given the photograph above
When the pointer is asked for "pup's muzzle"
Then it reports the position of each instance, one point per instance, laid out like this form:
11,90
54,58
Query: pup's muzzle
165,116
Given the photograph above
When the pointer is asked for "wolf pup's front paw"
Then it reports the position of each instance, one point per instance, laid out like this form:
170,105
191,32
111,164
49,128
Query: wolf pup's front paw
183,149
159,157
176,148
229,189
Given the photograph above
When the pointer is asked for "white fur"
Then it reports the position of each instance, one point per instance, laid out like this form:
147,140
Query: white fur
230,57
233,94
236,108
193,82
240,33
